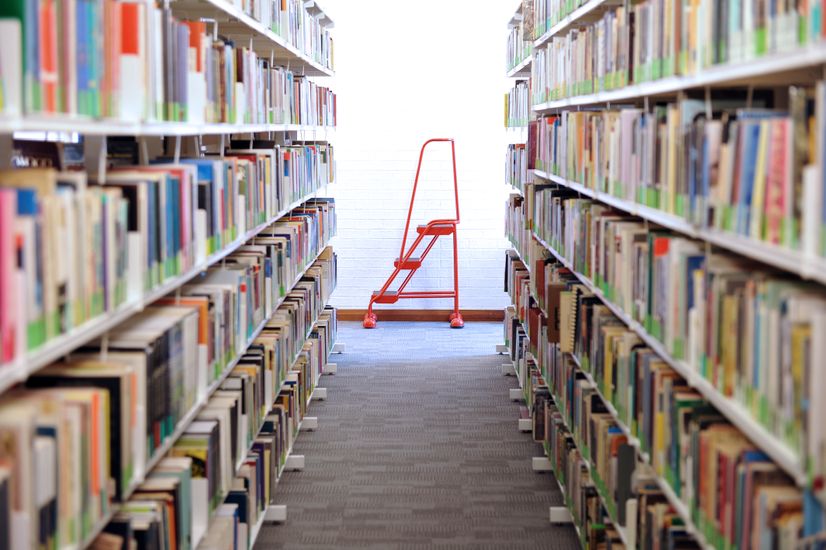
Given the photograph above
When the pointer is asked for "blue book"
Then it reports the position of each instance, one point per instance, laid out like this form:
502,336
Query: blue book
748,168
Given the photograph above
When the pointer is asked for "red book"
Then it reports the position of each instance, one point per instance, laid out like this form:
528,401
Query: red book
8,268
130,19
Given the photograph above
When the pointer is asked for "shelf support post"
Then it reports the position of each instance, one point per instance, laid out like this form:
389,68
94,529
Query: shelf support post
7,146
94,153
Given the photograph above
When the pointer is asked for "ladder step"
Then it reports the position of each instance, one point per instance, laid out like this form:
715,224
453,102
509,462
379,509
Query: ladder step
389,297
414,262
438,229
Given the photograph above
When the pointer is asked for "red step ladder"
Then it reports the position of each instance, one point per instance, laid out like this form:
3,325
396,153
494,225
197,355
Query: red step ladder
410,263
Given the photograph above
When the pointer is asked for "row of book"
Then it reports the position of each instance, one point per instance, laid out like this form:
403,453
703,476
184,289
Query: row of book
105,414
656,39
519,236
72,249
246,430
308,33
548,13
517,105
134,62
519,48
588,488
752,334
755,172
516,165
629,416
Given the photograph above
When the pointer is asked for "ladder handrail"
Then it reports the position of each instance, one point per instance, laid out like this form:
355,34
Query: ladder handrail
416,184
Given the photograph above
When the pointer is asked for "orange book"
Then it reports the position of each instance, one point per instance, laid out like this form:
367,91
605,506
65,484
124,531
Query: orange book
200,302
48,54
111,56
197,31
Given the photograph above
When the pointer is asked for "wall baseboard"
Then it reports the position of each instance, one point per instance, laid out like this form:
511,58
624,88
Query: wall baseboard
469,315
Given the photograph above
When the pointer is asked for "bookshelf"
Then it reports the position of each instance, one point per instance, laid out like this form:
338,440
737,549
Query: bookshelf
586,186
236,24
522,69
218,244
61,346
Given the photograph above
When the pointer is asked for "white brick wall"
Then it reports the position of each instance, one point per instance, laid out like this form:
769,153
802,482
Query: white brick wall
406,72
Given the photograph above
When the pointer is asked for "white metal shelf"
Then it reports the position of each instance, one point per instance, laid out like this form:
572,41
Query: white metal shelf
734,411
521,69
25,365
113,127
577,16
314,8
767,70
791,261
519,255
233,22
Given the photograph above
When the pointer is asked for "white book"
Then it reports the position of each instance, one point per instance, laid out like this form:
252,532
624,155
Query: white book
134,77
812,197
11,68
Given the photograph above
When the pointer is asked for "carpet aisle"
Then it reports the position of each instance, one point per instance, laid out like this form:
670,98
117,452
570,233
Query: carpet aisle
417,447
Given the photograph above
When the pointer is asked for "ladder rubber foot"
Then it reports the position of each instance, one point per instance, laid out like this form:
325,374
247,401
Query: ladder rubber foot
456,320
369,321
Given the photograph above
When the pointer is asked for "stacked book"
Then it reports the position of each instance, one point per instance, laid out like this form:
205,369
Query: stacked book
73,248
137,62
189,408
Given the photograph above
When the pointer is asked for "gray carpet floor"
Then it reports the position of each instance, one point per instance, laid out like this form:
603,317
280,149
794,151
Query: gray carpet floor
417,447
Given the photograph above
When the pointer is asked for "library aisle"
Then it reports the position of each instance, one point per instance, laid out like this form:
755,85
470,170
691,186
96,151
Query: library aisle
417,446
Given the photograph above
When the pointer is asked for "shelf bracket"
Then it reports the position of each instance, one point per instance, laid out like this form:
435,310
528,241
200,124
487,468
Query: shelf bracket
339,348
176,156
507,369
526,425
143,151
94,153
330,369
320,394
515,394
501,349
7,146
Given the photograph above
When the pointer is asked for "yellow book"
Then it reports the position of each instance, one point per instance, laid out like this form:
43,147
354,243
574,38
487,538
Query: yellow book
673,123
729,342
758,192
